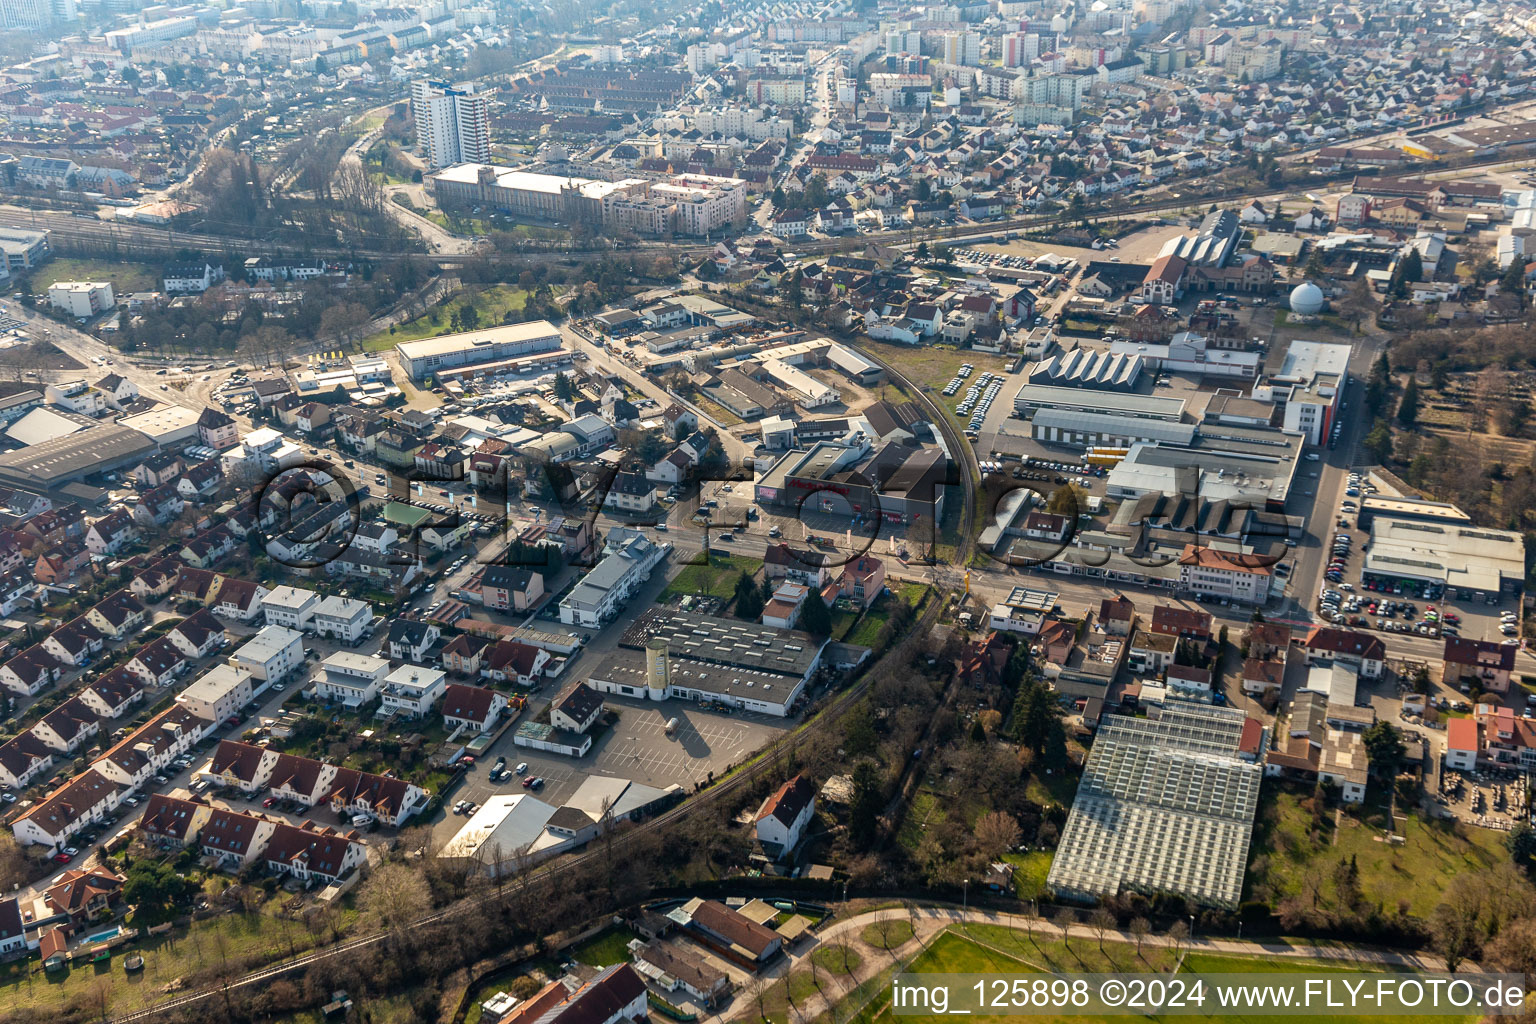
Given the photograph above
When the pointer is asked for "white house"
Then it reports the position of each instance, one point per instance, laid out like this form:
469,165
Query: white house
293,607
782,819
272,653
351,679
412,690
345,618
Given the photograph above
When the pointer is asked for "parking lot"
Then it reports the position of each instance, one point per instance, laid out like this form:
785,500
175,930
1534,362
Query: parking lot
636,748
1352,597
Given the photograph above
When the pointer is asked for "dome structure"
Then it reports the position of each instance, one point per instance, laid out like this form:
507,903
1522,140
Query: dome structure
1307,299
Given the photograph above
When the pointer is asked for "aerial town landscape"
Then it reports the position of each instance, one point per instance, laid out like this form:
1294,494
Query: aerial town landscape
532,515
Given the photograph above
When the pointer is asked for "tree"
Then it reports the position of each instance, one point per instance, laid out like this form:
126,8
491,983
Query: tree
749,603
1068,500
1521,843
1383,748
153,886
815,616
864,813
1379,441
996,833
1032,715
394,897
563,387
1077,208
1314,268
1140,926
1408,405
1455,931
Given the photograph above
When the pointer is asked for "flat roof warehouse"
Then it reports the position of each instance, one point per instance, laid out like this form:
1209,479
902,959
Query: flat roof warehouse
96,449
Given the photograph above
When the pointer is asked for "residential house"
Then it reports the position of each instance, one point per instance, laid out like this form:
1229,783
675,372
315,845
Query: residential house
576,708
507,588
473,707
1478,664
508,661
386,799
784,815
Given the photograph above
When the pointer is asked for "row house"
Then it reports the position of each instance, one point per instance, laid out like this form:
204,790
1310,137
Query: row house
118,615
75,642
149,749
382,797
67,810
30,672
23,760
114,693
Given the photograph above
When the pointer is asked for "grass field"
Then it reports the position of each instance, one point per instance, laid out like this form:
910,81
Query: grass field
125,277
999,950
1417,871
717,579
604,949
868,629
934,365
1029,872
492,303
180,953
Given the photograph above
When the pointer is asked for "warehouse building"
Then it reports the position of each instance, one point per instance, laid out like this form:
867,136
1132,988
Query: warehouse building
472,348
62,460
1470,562
1033,397
745,665
1165,805
1095,429
899,483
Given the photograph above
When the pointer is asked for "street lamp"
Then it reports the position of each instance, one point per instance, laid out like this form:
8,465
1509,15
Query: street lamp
965,897
1191,927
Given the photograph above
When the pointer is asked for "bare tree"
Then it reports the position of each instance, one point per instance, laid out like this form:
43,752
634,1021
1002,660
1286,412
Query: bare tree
394,897
1064,920
996,833
1140,926
1178,939
1102,921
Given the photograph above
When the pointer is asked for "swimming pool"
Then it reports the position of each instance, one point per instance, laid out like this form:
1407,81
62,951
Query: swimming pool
106,936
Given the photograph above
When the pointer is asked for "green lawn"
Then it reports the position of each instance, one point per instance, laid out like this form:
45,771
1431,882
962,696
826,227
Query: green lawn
887,934
604,949
1418,870
717,579
492,304
262,936
934,365
125,277
1029,872
997,949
